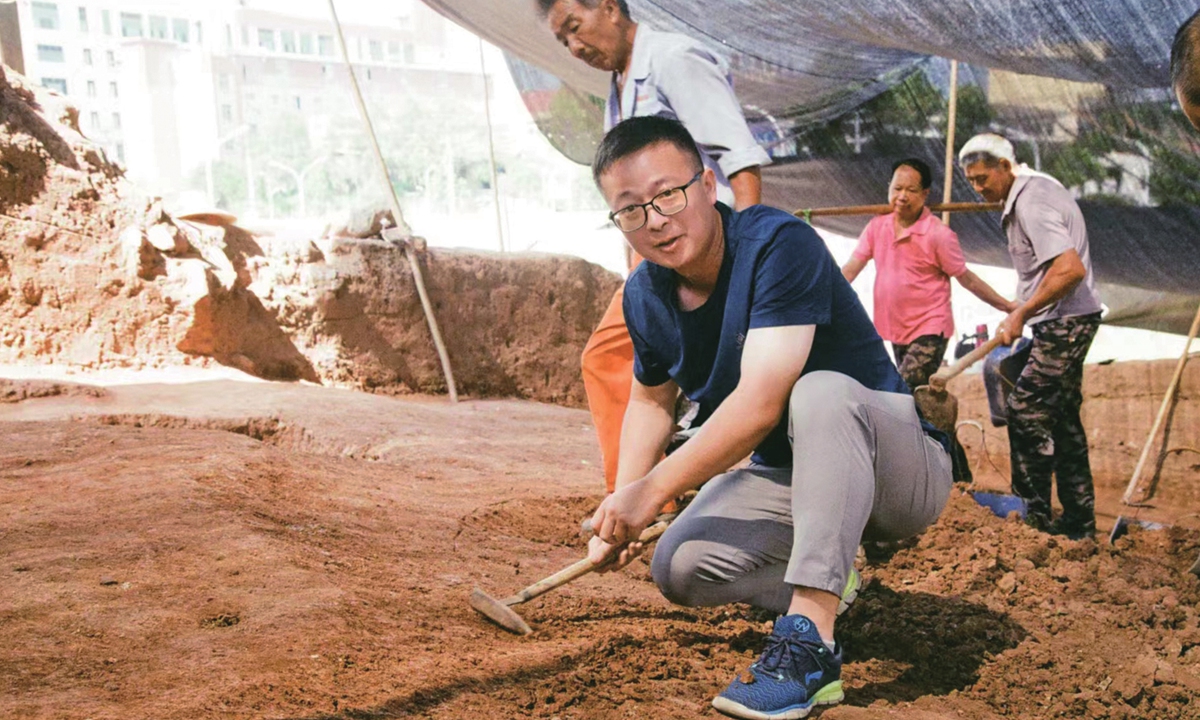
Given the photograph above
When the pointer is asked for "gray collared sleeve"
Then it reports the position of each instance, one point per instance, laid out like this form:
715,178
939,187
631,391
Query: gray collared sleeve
703,100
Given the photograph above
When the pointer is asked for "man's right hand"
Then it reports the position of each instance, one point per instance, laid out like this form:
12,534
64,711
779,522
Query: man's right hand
612,557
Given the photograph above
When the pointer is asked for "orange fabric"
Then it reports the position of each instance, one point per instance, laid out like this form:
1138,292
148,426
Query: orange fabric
607,376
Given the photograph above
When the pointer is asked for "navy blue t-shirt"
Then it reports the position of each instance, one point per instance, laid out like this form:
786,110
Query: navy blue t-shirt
776,272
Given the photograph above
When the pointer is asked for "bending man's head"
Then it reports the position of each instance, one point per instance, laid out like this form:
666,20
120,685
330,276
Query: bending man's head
595,31
988,162
1185,68
650,172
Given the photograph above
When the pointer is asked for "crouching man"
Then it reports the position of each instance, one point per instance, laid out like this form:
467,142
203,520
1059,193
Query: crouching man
748,314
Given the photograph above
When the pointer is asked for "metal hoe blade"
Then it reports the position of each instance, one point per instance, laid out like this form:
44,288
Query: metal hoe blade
498,612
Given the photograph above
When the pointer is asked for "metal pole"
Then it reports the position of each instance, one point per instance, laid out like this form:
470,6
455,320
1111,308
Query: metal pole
949,182
402,226
487,111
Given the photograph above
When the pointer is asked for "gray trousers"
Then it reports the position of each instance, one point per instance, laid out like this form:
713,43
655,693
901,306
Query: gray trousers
862,468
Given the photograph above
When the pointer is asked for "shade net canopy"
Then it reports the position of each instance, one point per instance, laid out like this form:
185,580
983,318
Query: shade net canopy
838,90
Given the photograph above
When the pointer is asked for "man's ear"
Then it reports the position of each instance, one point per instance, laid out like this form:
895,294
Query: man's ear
709,180
1006,166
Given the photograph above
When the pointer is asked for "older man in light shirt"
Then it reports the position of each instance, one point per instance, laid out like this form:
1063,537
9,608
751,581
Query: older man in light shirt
1048,243
666,75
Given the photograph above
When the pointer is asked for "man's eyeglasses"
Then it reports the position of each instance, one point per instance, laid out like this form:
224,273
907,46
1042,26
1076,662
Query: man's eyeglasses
667,202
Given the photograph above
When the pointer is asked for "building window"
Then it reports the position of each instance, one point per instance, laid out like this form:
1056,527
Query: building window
117,121
131,25
95,120
325,45
91,86
112,59
298,103
58,84
376,49
51,53
227,113
45,15
87,56
368,73
410,53
120,152
158,27
228,36
106,21
112,88
393,51
287,41
266,40
179,30
306,44
199,32
83,26
223,82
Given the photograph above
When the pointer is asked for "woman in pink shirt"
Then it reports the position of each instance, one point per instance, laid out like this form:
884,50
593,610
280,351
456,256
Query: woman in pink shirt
915,256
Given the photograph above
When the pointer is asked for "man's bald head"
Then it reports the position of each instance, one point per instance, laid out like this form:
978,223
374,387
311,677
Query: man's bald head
1185,68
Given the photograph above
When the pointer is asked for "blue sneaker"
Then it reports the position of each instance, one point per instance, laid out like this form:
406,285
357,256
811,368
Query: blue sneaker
795,674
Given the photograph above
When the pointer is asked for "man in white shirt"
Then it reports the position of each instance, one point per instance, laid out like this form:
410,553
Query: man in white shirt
667,75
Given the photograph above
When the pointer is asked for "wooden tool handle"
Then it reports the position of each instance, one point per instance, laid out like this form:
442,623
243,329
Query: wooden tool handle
941,377
577,570
1168,400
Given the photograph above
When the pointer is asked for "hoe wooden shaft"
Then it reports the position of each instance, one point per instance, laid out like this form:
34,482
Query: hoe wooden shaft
500,612
575,571
940,378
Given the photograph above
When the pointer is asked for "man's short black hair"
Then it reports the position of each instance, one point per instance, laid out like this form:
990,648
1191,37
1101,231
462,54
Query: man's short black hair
544,6
638,133
918,165
1185,60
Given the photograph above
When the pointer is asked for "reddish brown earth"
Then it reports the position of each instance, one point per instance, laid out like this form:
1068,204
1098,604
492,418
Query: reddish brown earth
256,550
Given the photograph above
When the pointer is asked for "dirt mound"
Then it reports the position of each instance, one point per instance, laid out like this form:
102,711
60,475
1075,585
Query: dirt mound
15,391
175,570
94,275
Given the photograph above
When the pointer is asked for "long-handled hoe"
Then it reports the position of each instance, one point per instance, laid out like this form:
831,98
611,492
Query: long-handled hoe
501,612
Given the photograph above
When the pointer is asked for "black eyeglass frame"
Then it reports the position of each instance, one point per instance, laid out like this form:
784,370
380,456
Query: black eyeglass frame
612,216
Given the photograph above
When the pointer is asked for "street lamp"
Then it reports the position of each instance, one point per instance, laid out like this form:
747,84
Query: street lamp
299,177
208,163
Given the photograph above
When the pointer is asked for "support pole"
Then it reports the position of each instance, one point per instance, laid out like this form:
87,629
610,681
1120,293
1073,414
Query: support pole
885,209
401,225
1168,405
949,181
487,111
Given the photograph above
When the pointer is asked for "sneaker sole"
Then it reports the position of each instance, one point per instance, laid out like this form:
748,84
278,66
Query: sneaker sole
850,593
831,694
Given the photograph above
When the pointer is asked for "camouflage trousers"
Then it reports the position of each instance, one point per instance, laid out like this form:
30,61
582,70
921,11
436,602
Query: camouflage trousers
1045,435
920,358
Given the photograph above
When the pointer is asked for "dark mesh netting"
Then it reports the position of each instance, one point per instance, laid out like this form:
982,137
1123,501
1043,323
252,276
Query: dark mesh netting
836,90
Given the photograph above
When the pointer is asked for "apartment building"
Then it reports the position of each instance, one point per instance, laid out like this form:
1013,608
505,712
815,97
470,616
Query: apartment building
165,85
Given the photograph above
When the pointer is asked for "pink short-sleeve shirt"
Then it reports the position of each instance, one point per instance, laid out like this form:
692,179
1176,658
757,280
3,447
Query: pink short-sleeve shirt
912,276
